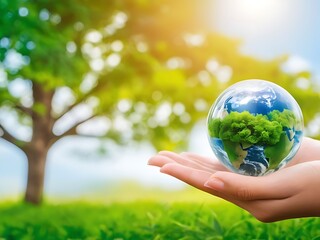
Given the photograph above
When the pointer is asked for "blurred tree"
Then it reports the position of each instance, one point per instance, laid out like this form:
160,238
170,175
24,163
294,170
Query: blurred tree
147,69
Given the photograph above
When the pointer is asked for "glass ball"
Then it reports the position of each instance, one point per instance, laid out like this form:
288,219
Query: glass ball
255,127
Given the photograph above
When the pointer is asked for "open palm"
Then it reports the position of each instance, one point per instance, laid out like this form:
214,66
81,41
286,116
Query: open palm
288,193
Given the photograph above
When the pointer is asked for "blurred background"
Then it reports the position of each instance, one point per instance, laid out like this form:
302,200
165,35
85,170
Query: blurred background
90,90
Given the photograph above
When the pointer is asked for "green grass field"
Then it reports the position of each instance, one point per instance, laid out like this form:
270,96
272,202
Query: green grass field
145,220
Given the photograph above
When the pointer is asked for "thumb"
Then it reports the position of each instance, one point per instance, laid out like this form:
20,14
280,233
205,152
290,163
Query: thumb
248,187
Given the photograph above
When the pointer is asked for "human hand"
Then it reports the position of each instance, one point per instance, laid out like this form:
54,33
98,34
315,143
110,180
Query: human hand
288,193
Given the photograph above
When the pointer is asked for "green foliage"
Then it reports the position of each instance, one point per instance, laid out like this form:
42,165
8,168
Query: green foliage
156,65
53,39
243,127
145,220
286,118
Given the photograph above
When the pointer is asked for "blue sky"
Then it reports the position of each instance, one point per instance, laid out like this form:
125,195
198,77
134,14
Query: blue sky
279,27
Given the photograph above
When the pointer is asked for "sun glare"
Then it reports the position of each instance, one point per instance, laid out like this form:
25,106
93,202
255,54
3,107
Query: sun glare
251,17
252,11
261,11
257,9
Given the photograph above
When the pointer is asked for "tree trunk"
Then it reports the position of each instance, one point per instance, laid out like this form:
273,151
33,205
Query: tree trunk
36,173
37,149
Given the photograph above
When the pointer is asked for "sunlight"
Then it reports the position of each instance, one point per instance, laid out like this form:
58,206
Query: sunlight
257,9
251,15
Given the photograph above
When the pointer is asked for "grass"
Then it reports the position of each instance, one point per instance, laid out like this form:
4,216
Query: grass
145,220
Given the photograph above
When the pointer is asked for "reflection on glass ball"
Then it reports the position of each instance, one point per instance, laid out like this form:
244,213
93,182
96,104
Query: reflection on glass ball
255,127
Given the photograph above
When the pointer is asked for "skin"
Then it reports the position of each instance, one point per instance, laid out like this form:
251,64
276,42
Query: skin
291,192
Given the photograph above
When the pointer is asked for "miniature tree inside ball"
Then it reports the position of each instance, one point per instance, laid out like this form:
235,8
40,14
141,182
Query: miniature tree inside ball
255,127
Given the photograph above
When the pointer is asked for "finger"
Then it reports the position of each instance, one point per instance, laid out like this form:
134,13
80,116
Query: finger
197,178
198,158
165,157
159,160
191,176
273,186
206,161
183,160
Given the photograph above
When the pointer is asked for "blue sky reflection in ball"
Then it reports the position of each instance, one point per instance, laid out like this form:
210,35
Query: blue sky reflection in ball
255,127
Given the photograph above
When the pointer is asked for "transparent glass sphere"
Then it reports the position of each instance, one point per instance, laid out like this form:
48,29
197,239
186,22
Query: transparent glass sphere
255,127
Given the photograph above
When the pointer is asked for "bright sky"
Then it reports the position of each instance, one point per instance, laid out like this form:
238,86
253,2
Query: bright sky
269,28
73,170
